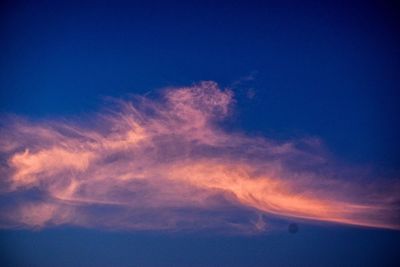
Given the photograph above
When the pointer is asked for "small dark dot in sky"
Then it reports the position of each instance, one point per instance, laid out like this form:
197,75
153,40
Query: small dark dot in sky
293,228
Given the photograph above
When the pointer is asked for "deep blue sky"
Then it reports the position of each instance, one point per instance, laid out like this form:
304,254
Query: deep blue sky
325,70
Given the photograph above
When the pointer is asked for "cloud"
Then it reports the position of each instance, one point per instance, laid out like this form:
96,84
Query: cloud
167,164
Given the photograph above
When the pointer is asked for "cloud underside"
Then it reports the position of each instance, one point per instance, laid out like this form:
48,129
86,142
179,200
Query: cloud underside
167,164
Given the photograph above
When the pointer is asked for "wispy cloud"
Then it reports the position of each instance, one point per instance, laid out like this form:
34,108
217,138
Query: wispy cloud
166,164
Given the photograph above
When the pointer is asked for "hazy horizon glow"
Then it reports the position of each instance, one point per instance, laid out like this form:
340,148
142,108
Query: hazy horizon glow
167,164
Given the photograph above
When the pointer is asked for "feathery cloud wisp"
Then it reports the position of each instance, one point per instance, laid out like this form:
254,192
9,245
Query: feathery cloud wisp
167,164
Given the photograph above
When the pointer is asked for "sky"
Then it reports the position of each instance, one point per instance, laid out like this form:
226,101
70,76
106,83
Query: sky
194,133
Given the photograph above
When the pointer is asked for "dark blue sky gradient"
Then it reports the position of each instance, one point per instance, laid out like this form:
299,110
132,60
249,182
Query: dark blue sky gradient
324,70
312,246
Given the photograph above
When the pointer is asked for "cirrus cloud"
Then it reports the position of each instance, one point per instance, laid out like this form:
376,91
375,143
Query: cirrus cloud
167,164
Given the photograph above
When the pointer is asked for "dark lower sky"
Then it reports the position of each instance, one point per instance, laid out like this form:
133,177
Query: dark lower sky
297,71
311,246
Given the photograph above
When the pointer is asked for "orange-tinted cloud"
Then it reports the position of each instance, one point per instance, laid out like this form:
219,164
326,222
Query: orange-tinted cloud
167,164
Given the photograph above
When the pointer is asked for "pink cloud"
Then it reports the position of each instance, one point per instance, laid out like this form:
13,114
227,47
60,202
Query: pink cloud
167,165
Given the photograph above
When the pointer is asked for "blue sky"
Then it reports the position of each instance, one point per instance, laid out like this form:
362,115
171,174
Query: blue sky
315,70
